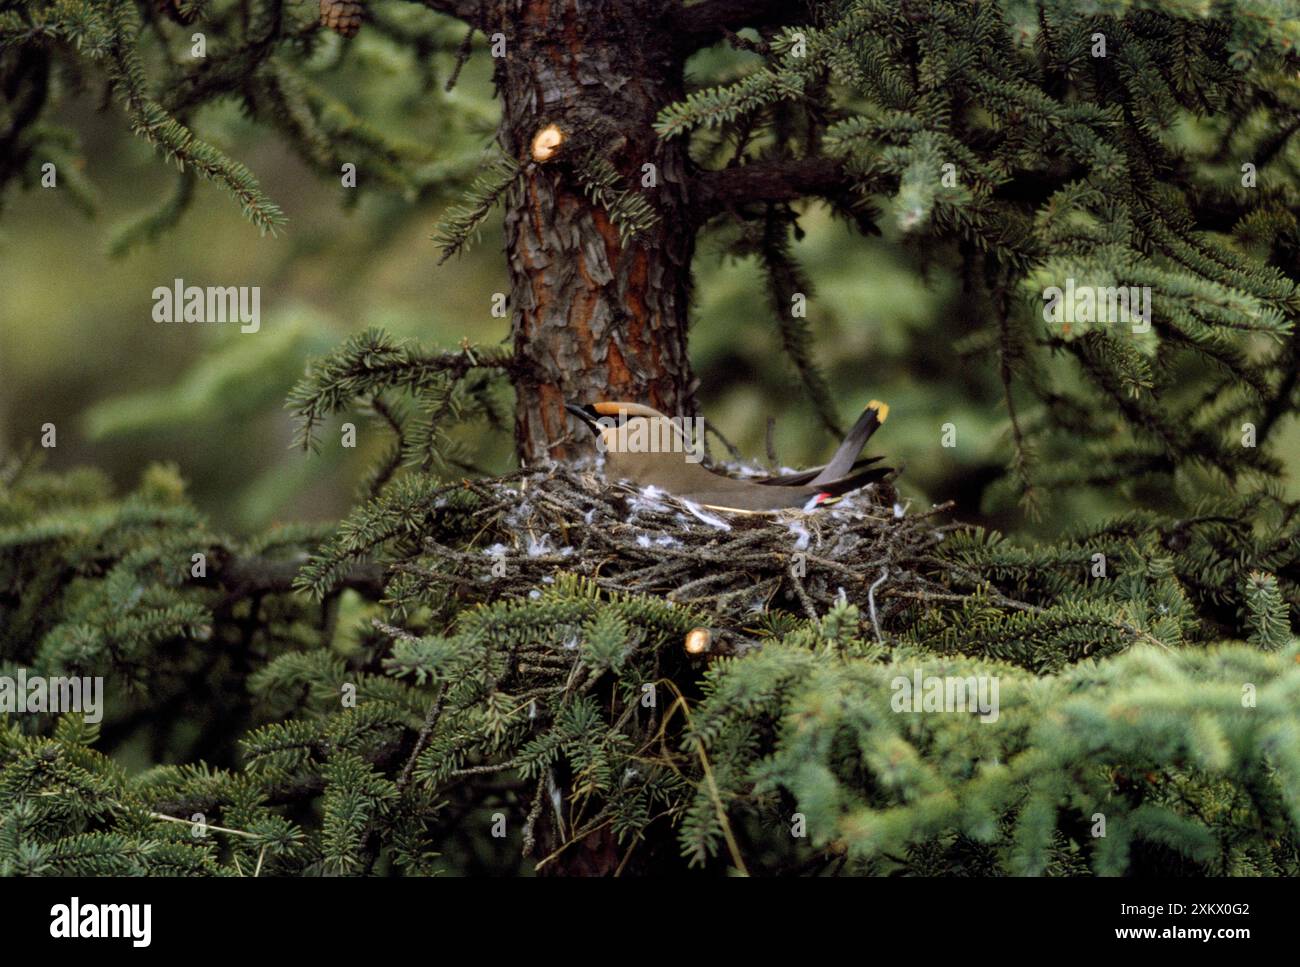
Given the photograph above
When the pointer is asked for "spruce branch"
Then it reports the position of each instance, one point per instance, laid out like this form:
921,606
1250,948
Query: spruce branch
774,180
470,11
152,122
371,362
243,577
785,282
460,223
698,25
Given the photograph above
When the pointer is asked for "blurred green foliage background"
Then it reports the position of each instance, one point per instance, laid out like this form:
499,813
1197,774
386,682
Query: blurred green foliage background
78,346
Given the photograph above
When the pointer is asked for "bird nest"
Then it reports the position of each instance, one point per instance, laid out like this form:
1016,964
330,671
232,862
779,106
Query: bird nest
867,548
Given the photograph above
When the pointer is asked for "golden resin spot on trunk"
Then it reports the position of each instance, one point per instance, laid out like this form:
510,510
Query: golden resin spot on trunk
546,143
698,641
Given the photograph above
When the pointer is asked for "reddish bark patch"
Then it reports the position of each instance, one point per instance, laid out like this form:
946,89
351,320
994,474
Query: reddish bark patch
601,72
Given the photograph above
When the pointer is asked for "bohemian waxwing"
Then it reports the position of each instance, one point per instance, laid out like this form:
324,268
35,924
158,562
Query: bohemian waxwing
649,449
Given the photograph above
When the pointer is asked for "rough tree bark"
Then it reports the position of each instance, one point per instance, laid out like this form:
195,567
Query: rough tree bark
593,317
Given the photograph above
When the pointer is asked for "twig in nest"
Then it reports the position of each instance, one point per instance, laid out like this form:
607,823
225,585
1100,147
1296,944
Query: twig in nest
871,600
809,608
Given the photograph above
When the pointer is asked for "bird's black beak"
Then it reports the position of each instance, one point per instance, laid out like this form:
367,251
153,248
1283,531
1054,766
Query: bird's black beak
587,414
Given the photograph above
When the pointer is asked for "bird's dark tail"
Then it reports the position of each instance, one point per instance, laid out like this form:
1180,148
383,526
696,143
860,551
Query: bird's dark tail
806,476
837,488
843,461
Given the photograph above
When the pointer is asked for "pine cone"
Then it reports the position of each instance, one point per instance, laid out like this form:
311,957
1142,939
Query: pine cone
342,16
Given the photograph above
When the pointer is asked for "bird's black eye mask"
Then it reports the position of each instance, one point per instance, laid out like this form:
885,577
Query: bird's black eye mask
587,414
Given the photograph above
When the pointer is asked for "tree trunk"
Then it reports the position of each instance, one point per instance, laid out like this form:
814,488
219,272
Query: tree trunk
593,317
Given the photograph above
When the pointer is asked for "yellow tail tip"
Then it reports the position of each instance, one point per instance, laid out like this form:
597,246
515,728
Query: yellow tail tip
882,410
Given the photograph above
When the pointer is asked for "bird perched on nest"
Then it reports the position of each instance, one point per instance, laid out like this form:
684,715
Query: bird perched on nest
649,449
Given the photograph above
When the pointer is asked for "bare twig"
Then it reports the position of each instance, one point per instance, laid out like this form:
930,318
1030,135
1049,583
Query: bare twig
871,601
